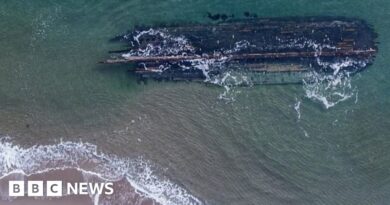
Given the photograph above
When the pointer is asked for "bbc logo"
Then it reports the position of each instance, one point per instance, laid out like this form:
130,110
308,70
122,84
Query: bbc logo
35,188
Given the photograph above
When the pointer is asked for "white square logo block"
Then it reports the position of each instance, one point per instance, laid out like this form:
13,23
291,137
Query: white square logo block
54,188
35,188
16,188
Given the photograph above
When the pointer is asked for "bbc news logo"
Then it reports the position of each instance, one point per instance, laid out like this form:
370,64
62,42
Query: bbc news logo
55,188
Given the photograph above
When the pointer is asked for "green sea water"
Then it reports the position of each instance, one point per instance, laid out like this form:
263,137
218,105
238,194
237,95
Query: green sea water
258,149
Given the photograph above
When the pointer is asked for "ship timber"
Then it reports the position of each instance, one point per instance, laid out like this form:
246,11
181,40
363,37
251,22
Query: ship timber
256,47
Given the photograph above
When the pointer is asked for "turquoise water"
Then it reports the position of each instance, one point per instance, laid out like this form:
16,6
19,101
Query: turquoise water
254,150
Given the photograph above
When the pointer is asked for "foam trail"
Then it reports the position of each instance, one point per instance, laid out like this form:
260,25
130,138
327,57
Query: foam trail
86,158
297,108
329,89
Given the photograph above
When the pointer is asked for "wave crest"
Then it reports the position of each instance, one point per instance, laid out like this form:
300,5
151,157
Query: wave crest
86,158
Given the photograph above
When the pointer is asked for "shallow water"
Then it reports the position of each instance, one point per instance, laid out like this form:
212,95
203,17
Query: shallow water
271,145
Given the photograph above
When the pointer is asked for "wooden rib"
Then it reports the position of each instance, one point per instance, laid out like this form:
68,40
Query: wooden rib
248,56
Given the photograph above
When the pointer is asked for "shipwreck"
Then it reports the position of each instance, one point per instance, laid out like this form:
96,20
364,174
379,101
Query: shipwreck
266,50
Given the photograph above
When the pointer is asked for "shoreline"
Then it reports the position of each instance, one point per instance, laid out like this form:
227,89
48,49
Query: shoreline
72,175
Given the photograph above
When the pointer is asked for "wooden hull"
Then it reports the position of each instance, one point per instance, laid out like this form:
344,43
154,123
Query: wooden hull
199,52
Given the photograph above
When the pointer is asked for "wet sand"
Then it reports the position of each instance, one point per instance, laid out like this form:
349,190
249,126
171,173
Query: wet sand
123,192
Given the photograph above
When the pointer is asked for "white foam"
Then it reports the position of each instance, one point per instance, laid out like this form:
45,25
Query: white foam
85,157
167,44
328,89
331,88
297,108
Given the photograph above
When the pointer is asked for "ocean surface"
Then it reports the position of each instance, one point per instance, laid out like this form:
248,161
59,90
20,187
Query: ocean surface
62,113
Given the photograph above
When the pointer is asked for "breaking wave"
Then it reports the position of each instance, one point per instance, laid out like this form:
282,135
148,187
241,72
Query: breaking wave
85,157
171,45
332,88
